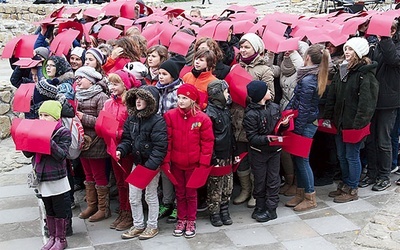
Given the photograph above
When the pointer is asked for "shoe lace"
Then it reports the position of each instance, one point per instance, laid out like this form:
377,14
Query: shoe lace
180,225
163,209
190,226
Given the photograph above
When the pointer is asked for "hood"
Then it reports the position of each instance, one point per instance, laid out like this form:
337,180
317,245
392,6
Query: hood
149,94
368,67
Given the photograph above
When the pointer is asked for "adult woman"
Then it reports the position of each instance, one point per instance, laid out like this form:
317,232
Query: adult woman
77,58
58,67
156,55
91,99
351,104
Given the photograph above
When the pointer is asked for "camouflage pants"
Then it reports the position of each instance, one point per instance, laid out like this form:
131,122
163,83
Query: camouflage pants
219,190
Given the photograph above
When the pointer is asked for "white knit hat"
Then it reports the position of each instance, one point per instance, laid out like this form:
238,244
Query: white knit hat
255,41
89,73
138,69
359,45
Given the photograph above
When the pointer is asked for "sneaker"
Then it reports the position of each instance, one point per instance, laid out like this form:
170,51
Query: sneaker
398,182
165,210
132,233
148,233
397,172
381,185
190,229
173,217
179,228
366,181
394,169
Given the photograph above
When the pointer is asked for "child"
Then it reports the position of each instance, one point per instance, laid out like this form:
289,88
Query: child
190,145
120,83
220,187
51,171
260,118
145,135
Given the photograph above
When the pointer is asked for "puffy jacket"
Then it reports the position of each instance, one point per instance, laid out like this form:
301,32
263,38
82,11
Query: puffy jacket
351,104
145,132
190,139
221,70
118,109
387,54
168,95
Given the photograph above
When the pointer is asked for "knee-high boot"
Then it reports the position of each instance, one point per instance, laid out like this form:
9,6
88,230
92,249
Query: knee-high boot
60,241
103,207
91,200
52,232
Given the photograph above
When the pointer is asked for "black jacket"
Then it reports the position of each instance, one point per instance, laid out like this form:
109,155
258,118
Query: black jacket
224,143
351,103
221,70
387,54
145,132
258,122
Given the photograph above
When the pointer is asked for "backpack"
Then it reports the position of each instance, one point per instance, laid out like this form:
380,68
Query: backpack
75,126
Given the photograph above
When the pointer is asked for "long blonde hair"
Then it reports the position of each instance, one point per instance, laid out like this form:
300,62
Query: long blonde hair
320,56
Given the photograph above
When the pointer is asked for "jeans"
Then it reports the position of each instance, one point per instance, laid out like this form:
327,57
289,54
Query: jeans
304,173
395,139
151,197
350,163
379,146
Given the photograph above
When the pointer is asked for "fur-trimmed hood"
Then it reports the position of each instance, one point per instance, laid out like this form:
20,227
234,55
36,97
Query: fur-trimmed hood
148,93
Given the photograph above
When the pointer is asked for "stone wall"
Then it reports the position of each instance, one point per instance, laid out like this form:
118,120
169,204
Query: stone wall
6,114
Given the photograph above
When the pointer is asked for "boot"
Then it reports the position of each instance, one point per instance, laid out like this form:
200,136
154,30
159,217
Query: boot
252,202
215,220
291,191
349,194
126,221
308,202
225,216
60,242
245,193
115,223
297,199
338,191
288,183
50,221
91,200
103,207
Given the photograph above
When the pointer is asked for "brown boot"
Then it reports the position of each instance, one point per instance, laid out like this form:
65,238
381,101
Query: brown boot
292,190
288,183
91,200
308,202
350,194
338,191
103,206
126,222
245,193
117,220
297,199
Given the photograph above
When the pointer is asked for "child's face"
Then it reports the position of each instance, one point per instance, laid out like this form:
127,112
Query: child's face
140,104
46,117
164,77
51,69
34,75
90,60
267,95
200,63
117,88
184,102
82,83
153,59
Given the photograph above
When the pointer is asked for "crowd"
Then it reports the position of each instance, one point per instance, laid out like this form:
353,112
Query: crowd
189,126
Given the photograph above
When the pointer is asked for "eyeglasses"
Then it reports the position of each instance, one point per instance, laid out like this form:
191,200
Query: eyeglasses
78,78
50,65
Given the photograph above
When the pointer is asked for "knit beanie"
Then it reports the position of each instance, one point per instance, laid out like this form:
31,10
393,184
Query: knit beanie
255,41
190,91
138,69
100,57
171,67
48,87
43,52
62,66
128,79
256,90
79,52
52,108
359,45
89,73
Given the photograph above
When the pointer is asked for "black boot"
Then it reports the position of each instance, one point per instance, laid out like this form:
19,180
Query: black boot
216,220
257,211
225,216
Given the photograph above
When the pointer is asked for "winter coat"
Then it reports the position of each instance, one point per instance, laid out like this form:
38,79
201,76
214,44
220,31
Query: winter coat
201,84
54,166
65,86
305,100
221,70
351,104
168,95
387,54
190,139
20,76
145,132
91,108
151,81
117,108
259,70
113,65
224,143
259,121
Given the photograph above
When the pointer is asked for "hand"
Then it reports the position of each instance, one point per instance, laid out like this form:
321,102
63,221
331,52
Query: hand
79,115
118,154
287,53
236,160
117,52
216,166
286,120
327,124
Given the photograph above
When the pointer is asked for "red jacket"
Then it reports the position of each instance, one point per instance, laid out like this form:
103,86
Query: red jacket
190,139
119,111
113,65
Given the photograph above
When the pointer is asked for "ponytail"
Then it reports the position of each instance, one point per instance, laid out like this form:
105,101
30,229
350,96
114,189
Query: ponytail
323,72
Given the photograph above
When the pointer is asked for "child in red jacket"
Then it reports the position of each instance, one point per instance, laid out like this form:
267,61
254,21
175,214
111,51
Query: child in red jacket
190,145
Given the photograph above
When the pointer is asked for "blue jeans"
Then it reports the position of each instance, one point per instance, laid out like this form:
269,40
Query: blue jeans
304,173
350,163
395,139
